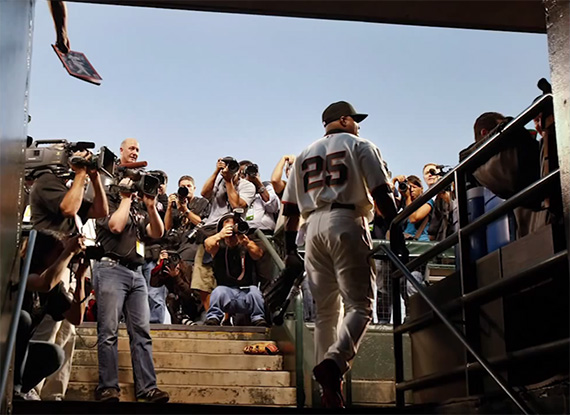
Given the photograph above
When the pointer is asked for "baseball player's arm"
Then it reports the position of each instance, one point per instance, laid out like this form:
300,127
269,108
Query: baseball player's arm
291,224
384,199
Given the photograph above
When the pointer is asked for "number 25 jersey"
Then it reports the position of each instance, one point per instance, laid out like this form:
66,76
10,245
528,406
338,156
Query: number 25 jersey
338,168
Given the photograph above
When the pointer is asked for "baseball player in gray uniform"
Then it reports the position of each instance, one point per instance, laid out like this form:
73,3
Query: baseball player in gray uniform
332,185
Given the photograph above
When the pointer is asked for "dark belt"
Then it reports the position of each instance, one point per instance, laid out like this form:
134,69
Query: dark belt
122,261
336,205
343,206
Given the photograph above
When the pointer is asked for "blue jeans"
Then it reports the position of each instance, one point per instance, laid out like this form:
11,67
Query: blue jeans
156,297
245,300
120,290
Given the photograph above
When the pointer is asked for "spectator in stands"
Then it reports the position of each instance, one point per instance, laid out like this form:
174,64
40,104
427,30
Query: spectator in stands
226,191
234,256
261,215
416,225
175,274
441,223
46,295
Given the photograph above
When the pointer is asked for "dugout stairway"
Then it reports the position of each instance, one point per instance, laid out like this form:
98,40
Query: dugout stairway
195,364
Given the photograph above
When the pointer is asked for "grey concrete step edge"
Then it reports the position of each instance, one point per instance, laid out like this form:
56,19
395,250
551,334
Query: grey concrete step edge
189,334
179,345
237,395
201,377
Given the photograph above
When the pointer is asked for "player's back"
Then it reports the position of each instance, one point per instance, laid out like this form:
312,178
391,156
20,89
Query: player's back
338,168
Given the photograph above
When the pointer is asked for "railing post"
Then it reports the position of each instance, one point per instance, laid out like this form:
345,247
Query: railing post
398,344
468,280
299,356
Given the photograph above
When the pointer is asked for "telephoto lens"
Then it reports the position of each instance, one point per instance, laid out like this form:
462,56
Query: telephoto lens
182,192
403,186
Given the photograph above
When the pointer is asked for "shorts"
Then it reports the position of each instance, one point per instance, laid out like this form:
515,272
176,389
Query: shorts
202,275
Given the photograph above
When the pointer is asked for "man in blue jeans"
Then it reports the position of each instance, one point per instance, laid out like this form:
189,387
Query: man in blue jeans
234,255
121,289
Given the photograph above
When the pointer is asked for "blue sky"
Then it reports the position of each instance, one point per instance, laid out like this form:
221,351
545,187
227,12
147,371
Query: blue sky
194,86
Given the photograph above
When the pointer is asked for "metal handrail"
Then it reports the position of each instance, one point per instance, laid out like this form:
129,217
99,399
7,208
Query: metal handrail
16,314
297,305
457,175
482,361
490,292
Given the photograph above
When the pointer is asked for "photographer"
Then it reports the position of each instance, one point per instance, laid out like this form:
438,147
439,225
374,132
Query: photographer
54,206
45,295
121,289
234,255
283,166
176,275
185,210
261,215
226,191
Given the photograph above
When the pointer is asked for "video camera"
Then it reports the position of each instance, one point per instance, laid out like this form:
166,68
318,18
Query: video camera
231,164
56,156
146,183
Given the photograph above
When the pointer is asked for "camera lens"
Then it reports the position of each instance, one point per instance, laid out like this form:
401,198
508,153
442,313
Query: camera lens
182,192
403,186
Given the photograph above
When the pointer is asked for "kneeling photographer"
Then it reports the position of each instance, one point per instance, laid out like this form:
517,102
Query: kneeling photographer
226,191
175,274
234,256
45,295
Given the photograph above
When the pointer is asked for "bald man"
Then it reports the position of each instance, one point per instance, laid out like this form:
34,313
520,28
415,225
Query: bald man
129,150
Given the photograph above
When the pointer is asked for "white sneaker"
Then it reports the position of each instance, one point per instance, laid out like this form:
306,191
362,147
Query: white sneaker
32,395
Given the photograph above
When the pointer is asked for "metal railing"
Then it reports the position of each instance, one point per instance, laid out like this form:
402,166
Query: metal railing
470,294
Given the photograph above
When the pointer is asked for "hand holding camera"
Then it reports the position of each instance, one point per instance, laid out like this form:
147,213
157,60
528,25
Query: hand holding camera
75,245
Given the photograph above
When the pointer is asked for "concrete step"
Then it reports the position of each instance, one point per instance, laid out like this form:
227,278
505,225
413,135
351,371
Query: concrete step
167,360
177,331
159,344
220,395
373,392
194,377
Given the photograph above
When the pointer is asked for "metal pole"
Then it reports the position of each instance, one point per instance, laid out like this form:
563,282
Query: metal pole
16,314
398,343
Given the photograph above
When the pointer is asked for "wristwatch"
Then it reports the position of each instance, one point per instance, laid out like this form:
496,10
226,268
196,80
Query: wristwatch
261,189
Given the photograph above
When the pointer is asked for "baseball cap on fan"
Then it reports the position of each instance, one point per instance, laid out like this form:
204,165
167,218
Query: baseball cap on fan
340,109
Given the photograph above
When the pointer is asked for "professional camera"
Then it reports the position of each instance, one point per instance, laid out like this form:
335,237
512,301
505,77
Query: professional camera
56,156
143,182
232,164
442,170
251,170
240,225
171,261
182,194
194,232
403,186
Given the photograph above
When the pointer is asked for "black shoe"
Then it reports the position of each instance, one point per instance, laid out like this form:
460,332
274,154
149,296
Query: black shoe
154,396
227,322
260,323
107,395
328,375
212,322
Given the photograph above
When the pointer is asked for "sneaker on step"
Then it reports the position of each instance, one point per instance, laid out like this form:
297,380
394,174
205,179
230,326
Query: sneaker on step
212,322
154,396
32,395
260,323
327,373
107,395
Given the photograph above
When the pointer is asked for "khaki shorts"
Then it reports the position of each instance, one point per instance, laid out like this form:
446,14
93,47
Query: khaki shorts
202,275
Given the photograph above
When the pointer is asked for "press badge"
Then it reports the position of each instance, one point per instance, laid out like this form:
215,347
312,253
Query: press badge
249,214
140,248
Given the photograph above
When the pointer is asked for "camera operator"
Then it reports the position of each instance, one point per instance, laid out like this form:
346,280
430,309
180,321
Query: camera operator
176,275
234,256
441,222
54,206
185,210
121,289
226,191
45,295
261,215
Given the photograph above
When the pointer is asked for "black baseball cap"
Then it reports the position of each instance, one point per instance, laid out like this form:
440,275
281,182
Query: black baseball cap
339,109
225,218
